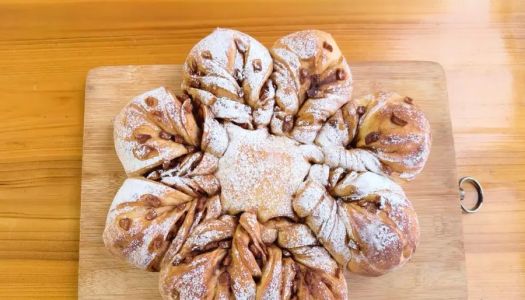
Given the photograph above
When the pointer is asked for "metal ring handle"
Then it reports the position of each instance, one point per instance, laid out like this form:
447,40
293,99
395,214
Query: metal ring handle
479,189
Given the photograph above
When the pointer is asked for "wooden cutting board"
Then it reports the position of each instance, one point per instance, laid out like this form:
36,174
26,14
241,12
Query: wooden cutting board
437,270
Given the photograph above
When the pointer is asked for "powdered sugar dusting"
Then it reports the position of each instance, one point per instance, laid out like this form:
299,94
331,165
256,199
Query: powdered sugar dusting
260,172
325,222
219,43
316,258
132,117
286,94
305,51
215,138
352,160
141,232
272,274
412,159
193,282
235,66
133,188
319,173
231,110
304,44
287,71
392,199
255,78
368,183
209,231
263,173
334,132
296,235
404,147
332,235
309,195
379,236
140,254
220,86
312,153
315,112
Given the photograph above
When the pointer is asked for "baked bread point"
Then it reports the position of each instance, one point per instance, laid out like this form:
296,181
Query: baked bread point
154,127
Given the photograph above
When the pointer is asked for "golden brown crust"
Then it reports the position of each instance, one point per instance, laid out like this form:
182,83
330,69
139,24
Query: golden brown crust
142,222
317,285
244,266
271,281
250,269
183,231
397,131
387,125
193,280
371,228
341,128
228,71
152,128
214,137
313,81
206,235
260,172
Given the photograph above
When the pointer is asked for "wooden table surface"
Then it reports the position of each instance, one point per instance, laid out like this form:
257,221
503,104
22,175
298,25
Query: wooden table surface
46,48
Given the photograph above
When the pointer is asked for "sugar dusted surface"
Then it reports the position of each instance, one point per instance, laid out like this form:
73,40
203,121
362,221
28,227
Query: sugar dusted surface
137,251
367,183
319,173
296,235
193,283
141,255
146,287
308,197
224,108
130,118
226,59
219,43
260,172
325,221
352,159
215,138
315,257
133,188
273,272
303,44
251,171
378,236
409,145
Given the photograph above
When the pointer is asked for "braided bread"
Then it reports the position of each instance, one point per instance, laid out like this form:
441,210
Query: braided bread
140,226
228,71
397,131
313,81
153,128
370,227
264,179
392,130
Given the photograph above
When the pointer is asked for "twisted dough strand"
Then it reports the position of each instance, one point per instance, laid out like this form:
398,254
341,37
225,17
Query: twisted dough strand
392,133
313,81
140,226
228,71
371,229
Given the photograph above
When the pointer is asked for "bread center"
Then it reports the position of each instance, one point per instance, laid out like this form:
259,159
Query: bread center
260,172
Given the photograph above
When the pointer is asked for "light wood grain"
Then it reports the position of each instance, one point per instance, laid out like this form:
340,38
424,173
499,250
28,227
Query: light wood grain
47,47
437,270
